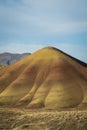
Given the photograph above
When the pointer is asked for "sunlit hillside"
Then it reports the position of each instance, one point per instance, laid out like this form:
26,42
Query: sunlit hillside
47,78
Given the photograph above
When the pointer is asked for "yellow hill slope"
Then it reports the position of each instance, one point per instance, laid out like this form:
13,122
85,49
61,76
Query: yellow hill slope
47,78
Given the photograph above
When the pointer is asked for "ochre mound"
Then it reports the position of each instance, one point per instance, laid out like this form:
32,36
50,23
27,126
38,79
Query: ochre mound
48,78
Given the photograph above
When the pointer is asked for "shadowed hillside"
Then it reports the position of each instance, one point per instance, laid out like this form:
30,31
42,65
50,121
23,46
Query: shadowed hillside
47,78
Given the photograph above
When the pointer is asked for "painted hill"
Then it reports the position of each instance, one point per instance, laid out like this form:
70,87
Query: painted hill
9,58
47,78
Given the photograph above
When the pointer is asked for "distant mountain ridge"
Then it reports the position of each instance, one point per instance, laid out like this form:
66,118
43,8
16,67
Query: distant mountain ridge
9,58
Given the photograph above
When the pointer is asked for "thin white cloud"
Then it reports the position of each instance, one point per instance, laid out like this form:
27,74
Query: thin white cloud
58,27
46,17
37,19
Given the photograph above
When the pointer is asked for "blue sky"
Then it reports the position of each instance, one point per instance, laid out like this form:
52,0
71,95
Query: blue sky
28,25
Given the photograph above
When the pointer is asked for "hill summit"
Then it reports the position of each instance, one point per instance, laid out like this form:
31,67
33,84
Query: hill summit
47,78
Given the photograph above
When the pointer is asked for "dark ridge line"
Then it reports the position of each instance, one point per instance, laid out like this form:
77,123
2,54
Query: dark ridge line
75,59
